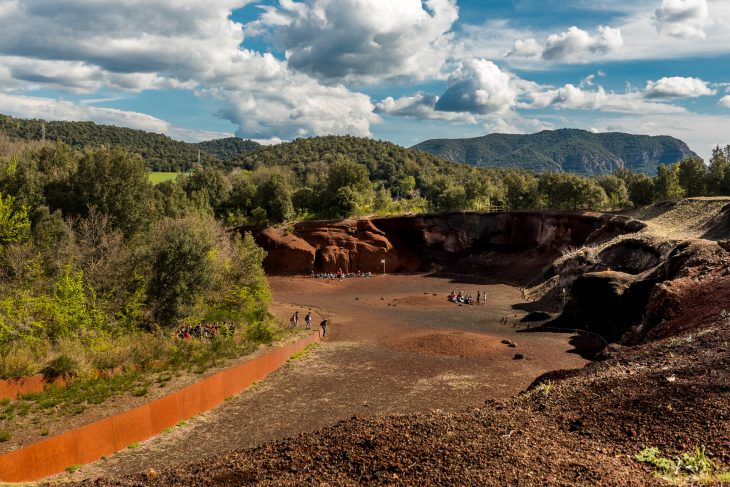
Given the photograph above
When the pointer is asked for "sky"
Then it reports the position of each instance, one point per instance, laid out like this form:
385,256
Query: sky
398,70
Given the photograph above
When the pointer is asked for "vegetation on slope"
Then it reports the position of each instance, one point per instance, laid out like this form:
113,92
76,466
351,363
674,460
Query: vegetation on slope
160,152
91,252
568,150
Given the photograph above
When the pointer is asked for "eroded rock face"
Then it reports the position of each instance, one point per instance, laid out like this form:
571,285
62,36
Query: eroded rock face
520,243
327,247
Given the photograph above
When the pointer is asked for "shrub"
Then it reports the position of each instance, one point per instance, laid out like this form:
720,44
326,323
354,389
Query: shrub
61,366
260,332
650,456
21,359
696,463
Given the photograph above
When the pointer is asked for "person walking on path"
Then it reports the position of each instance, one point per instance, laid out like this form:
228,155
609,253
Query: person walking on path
479,297
323,325
295,319
308,320
484,297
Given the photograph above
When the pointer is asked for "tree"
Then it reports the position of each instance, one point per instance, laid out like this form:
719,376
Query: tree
243,192
274,197
718,174
347,188
170,199
180,266
41,176
616,191
641,190
444,195
521,190
14,222
666,183
692,176
210,182
115,183
570,191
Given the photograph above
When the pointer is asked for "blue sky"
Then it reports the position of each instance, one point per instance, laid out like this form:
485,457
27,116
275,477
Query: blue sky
403,71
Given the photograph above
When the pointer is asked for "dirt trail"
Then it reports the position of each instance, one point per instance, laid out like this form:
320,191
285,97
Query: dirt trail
394,345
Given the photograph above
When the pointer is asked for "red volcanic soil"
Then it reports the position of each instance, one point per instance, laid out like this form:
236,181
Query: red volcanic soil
394,346
337,415
447,344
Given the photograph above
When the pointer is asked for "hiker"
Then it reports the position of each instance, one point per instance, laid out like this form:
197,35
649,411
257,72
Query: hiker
294,320
479,297
308,320
323,325
484,297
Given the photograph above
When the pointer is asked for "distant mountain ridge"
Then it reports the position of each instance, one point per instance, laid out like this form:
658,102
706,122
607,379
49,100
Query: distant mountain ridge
564,150
160,152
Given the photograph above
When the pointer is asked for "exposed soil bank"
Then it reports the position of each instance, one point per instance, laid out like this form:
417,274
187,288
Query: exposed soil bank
507,245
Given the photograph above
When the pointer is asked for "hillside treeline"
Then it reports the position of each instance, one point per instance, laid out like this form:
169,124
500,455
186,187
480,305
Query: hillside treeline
92,255
160,152
333,177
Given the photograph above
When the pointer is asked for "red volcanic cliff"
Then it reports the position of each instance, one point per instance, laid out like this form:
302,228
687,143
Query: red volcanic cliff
454,242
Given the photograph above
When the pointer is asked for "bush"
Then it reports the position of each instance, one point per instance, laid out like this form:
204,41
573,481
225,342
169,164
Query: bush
61,366
181,266
260,332
21,359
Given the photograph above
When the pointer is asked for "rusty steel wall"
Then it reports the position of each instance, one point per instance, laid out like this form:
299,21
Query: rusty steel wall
89,443
12,388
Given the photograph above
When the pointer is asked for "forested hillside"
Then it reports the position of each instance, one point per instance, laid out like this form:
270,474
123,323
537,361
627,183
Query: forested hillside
160,152
228,149
565,150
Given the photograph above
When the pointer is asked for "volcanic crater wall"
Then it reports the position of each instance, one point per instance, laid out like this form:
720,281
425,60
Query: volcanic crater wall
489,243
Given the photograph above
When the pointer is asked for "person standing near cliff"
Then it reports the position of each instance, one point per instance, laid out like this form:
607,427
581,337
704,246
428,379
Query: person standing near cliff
308,320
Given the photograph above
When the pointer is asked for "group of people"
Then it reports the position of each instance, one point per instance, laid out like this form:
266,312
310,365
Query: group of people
462,298
339,275
205,330
294,320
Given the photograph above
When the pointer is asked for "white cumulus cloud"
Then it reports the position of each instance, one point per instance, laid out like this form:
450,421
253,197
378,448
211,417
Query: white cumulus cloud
576,43
682,18
84,46
478,86
678,87
527,48
363,41
576,98
724,101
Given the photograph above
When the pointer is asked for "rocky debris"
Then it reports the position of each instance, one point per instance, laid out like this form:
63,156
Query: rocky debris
583,430
509,343
518,356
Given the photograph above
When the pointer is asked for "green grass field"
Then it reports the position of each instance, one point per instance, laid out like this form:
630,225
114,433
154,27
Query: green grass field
161,177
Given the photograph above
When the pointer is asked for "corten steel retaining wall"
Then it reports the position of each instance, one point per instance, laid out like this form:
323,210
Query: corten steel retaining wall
89,443
12,388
